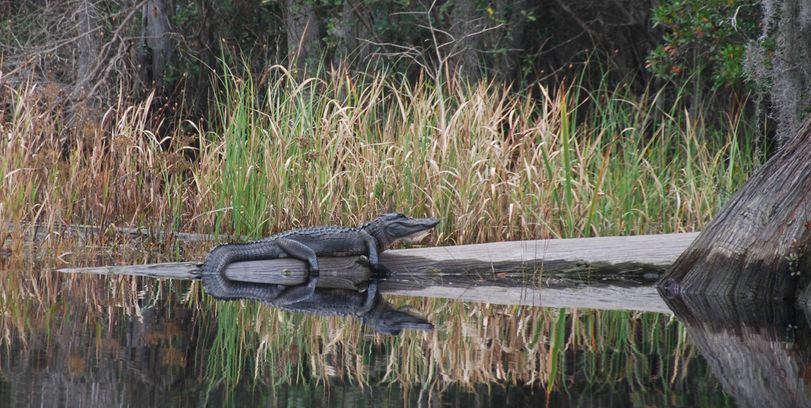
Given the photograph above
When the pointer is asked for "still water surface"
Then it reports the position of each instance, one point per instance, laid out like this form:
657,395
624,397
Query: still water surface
96,341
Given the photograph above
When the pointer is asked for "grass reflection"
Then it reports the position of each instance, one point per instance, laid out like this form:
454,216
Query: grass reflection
88,327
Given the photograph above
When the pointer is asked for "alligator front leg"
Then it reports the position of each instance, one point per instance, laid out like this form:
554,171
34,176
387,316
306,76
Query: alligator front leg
371,298
295,249
371,248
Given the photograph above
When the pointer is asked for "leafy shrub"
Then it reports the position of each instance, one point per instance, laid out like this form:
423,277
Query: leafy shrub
704,37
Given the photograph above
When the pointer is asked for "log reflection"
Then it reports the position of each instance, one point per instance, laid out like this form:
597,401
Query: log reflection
584,288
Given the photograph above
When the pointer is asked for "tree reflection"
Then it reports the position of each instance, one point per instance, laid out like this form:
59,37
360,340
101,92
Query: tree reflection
758,351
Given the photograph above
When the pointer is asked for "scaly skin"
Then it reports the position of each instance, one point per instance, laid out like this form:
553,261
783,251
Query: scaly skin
306,244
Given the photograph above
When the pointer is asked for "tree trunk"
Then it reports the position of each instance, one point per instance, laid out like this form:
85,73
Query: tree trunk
509,38
158,42
353,32
303,37
755,247
88,45
83,109
465,51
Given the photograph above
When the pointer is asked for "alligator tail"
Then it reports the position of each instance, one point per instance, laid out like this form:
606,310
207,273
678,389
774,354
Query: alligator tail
219,286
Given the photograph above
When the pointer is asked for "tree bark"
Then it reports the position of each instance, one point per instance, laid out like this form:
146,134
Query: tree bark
303,36
157,40
509,38
756,246
465,52
353,32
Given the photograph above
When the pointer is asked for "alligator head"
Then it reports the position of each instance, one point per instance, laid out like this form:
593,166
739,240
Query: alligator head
390,228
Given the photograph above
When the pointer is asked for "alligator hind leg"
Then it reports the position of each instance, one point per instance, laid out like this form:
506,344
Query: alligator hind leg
295,249
296,294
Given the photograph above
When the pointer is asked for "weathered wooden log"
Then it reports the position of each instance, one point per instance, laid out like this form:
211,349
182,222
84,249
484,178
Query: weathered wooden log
168,270
579,272
633,258
41,232
756,245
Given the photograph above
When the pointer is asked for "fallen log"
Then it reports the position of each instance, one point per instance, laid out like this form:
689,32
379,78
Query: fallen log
37,232
638,257
542,272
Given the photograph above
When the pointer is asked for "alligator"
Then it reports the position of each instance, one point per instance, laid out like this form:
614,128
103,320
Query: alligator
369,306
307,244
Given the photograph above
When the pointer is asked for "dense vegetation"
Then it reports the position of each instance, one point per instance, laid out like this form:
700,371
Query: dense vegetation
113,47
280,153
574,136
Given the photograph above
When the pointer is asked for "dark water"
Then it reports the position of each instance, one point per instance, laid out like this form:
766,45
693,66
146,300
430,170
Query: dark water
119,341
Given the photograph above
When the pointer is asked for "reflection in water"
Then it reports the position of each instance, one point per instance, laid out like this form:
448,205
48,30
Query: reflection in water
124,341
112,341
760,352
367,306
78,342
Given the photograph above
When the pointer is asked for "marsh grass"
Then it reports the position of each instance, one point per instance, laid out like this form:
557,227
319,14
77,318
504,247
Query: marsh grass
279,153
502,166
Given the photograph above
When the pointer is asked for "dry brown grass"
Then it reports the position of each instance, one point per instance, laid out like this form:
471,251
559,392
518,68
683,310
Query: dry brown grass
279,154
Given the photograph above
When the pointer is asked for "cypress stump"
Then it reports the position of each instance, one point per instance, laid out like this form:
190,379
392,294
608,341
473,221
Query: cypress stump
757,246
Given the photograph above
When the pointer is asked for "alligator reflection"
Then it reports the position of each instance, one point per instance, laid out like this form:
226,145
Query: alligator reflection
368,306
759,352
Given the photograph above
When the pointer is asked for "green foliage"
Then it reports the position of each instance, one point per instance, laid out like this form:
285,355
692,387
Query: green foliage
704,37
